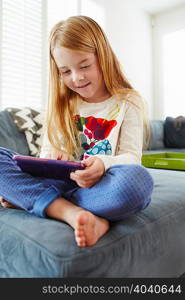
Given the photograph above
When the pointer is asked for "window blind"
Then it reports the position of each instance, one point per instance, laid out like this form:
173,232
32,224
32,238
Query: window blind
24,31
22,54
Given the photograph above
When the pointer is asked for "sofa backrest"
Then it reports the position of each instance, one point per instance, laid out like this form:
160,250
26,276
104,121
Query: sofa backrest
157,135
10,136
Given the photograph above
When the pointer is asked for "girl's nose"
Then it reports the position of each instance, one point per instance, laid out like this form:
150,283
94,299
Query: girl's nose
76,77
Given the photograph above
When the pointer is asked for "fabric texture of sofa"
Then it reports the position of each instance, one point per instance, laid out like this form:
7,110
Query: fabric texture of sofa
148,244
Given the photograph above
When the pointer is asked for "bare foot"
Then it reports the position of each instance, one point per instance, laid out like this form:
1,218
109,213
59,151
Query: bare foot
89,228
7,204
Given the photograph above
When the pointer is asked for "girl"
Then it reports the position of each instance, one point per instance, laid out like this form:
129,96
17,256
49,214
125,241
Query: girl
94,115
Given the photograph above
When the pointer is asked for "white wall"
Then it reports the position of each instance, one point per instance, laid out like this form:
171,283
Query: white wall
165,22
129,31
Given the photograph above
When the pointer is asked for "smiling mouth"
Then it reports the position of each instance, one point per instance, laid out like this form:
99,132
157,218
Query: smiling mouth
83,86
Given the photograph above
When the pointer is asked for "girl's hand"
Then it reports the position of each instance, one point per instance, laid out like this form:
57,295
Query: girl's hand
59,155
91,174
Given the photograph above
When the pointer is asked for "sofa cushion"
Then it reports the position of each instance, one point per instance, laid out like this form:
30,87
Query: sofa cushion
157,135
30,122
148,244
174,137
10,136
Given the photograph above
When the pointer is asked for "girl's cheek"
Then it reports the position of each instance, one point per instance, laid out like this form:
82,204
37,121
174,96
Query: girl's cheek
67,82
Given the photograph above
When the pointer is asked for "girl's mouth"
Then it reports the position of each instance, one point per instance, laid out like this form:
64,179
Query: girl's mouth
83,86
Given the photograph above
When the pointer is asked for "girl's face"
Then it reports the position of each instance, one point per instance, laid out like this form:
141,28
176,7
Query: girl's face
81,73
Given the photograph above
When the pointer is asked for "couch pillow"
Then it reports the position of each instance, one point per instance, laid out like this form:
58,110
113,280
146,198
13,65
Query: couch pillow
174,136
10,136
30,122
157,135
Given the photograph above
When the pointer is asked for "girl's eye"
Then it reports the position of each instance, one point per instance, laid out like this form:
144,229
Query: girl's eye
84,67
66,72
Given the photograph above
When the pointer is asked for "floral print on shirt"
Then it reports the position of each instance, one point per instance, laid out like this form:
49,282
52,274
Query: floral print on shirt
93,133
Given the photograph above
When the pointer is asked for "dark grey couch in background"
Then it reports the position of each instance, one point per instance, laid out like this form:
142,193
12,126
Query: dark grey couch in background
150,243
165,137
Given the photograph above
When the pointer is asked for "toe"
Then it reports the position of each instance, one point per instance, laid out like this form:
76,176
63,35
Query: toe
78,234
80,242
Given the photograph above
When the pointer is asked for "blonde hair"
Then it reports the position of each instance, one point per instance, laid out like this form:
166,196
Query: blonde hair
79,33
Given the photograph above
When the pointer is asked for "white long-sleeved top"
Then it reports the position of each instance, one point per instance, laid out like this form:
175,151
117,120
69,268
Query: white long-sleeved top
111,130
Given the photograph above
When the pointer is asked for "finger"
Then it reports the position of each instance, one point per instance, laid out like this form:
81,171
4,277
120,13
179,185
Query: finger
90,176
79,174
85,184
85,177
53,156
89,161
87,172
64,156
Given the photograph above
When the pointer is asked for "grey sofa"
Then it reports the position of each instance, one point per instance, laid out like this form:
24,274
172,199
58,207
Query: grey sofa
165,137
149,244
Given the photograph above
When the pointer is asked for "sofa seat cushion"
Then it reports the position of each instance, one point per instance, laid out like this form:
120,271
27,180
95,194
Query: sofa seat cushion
148,244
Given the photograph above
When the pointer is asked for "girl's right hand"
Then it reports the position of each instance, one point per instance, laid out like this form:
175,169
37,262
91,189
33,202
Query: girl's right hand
59,155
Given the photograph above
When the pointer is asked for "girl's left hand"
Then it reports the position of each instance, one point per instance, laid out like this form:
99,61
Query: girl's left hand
91,174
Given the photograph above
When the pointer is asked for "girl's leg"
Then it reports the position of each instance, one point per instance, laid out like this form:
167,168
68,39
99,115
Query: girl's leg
22,189
124,190
88,228
42,197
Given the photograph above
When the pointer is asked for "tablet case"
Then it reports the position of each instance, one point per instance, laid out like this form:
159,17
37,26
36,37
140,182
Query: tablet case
48,168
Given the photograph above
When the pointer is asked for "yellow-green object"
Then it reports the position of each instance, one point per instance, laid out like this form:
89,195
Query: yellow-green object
172,161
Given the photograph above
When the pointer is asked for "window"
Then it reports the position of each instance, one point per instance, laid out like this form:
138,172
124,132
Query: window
24,32
21,53
174,73
169,63
24,28
60,10
94,10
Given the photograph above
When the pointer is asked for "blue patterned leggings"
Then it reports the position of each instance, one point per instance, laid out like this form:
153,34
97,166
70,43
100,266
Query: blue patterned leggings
123,190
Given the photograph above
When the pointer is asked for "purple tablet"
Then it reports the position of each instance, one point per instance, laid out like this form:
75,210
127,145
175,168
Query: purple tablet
48,168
